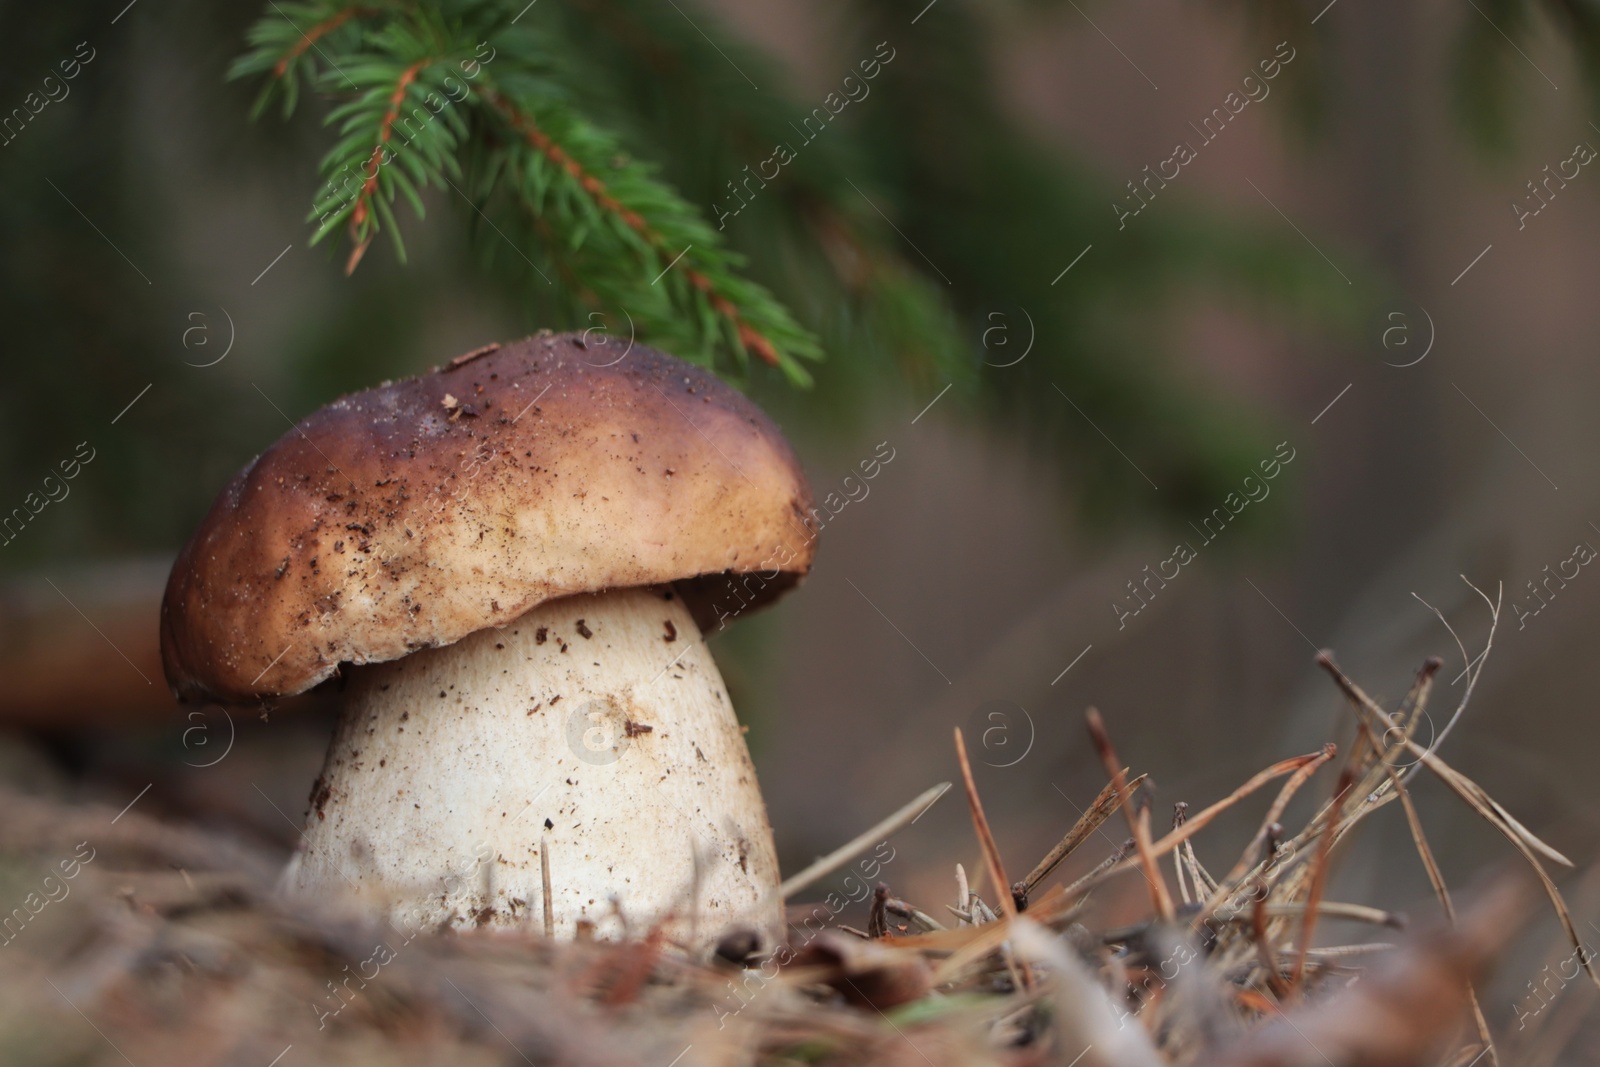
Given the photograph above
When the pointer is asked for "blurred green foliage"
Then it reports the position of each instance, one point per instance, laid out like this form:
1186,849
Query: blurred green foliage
873,263
1492,64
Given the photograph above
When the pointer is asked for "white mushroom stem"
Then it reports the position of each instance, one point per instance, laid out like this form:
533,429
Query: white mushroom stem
596,727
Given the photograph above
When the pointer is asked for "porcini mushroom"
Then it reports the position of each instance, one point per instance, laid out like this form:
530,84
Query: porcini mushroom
510,562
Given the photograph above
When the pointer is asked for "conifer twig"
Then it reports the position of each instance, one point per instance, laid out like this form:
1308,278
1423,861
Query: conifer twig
361,208
596,189
619,236
310,37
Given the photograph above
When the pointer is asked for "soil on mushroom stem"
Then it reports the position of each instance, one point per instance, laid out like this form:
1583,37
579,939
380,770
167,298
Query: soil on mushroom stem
167,945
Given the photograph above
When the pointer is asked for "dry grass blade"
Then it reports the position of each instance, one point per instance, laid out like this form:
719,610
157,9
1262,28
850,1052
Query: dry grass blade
1469,1056
1469,790
1319,878
901,909
1416,701
1178,858
1199,822
1185,859
1202,820
1056,904
1338,910
1492,804
1292,786
544,878
1408,717
1519,836
1204,883
943,942
1340,952
980,823
845,853
1473,669
1302,774
991,855
1105,805
1101,869
1263,943
1436,879
1052,907
1141,829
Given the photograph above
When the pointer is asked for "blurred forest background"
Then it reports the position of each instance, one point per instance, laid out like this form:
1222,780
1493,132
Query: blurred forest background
1067,390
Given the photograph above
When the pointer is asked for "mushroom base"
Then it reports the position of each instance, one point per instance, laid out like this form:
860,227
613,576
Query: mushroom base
594,735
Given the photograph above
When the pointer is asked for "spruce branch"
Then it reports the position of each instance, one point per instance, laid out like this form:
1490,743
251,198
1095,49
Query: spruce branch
418,106
280,41
813,224
360,211
309,38
748,336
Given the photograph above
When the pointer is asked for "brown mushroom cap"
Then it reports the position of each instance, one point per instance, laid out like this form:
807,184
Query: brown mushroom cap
411,515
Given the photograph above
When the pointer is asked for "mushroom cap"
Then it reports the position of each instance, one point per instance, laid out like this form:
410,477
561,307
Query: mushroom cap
413,514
